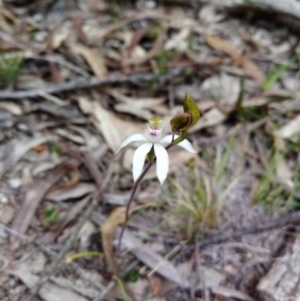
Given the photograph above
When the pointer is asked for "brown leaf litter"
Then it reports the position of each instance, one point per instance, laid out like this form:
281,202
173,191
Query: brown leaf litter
72,93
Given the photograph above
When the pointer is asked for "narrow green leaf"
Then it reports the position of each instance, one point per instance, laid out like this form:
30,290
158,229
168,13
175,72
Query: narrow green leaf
239,104
273,77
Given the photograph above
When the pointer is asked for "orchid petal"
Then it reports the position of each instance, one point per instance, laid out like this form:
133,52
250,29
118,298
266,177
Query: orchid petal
139,159
162,162
132,138
187,146
168,139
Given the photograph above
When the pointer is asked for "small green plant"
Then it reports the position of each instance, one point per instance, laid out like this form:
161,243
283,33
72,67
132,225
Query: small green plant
54,148
51,217
275,74
153,149
198,196
150,87
132,276
193,202
153,31
163,59
269,192
191,42
9,69
114,9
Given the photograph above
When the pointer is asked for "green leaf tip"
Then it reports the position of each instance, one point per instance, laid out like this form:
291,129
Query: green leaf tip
190,106
183,122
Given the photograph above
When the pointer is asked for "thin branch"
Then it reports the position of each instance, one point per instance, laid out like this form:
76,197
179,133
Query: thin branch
223,237
83,83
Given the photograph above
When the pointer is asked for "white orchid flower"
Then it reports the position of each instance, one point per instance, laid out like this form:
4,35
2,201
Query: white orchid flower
153,140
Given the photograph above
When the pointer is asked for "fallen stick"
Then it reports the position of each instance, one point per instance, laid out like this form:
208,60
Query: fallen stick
84,83
283,221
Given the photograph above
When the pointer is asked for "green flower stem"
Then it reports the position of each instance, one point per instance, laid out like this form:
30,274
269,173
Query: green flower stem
136,184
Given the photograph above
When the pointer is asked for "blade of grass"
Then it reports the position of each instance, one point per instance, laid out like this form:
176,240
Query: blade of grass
273,77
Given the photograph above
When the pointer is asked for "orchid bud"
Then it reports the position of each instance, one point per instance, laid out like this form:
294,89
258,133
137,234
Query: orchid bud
181,122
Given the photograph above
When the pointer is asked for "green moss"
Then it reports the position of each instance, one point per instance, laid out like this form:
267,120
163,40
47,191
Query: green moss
9,69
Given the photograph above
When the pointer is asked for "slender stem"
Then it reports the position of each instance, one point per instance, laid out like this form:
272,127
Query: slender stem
136,184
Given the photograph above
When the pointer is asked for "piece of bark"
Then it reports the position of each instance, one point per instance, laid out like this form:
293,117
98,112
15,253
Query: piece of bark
282,283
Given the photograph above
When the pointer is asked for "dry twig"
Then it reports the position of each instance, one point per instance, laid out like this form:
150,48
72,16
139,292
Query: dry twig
83,83
279,222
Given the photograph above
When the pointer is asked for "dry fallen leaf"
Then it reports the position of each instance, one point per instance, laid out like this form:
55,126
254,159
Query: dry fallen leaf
120,199
230,293
114,129
67,193
7,213
249,67
11,107
255,102
155,285
85,105
48,292
283,171
33,197
290,129
108,231
178,41
141,102
79,285
59,36
8,21
211,118
252,70
224,46
34,263
93,58
50,236
133,110
17,151
152,259
69,135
